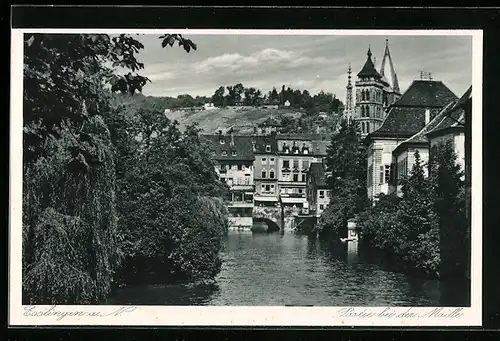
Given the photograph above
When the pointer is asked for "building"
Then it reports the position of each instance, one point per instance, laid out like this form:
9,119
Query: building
265,149
234,158
270,125
318,193
375,91
420,103
295,154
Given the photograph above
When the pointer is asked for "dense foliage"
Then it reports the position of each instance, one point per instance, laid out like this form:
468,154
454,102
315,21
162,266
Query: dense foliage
169,214
346,160
425,229
78,173
240,95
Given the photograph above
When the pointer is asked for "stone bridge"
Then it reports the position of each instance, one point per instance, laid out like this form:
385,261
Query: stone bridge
272,216
277,218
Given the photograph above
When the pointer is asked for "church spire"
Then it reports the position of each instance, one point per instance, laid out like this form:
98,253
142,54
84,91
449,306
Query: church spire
368,69
387,69
348,112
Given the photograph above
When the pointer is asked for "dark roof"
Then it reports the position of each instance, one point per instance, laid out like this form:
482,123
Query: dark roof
420,138
454,116
317,174
242,146
406,116
426,93
368,69
270,122
262,141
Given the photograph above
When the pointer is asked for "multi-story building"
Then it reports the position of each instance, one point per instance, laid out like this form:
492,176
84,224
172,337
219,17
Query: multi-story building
295,155
318,192
265,150
375,91
234,158
420,103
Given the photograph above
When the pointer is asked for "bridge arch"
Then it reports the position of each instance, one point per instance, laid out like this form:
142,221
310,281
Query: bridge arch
272,225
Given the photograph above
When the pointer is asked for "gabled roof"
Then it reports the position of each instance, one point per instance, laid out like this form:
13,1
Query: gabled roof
406,116
368,69
454,116
317,174
242,146
426,93
421,136
261,142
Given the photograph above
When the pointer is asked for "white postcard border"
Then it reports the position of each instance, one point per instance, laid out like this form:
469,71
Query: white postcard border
20,315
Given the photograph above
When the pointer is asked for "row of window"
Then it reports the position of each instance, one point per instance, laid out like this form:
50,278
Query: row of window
296,164
295,150
367,95
384,175
271,160
365,111
402,168
224,168
263,174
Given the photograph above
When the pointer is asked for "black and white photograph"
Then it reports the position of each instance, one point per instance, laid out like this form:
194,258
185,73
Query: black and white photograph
203,168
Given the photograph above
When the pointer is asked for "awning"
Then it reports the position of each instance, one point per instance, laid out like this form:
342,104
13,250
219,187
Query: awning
267,199
288,200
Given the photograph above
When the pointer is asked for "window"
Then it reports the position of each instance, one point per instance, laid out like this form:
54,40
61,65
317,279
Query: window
271,174
234,153
222,141
381,174
271,161
321,207
300,190
387,173
268,148
240,167
305,150
263,188
268,188
264,160
305,164
224,153
286,163
272,187
295,177
223,168
303,178
263,174
322,194
295,163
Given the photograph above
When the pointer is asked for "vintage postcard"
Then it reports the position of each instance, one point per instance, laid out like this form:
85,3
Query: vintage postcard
245,177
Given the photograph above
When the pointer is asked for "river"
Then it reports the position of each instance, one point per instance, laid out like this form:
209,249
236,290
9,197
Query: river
287,269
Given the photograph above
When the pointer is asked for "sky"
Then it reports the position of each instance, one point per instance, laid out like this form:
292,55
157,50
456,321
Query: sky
315,63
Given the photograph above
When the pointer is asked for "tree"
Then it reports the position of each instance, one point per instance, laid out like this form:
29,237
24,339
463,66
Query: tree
447,179
273,96
218,97
70,251
172,223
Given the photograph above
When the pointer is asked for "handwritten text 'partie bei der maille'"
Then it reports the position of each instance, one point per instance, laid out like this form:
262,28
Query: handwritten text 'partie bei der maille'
398,313
53,311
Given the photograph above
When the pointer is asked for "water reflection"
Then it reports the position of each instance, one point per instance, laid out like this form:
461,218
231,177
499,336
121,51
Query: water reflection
286,269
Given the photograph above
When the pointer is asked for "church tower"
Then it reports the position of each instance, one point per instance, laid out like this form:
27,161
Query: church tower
389,78
349,106
370,90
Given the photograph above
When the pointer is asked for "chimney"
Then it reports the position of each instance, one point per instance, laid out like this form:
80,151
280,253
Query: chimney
220,132
427,116
232,138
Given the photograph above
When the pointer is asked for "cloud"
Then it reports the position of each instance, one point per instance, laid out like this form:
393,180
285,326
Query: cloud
265,58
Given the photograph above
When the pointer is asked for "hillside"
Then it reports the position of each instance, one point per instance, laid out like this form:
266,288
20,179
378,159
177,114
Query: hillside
242,119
